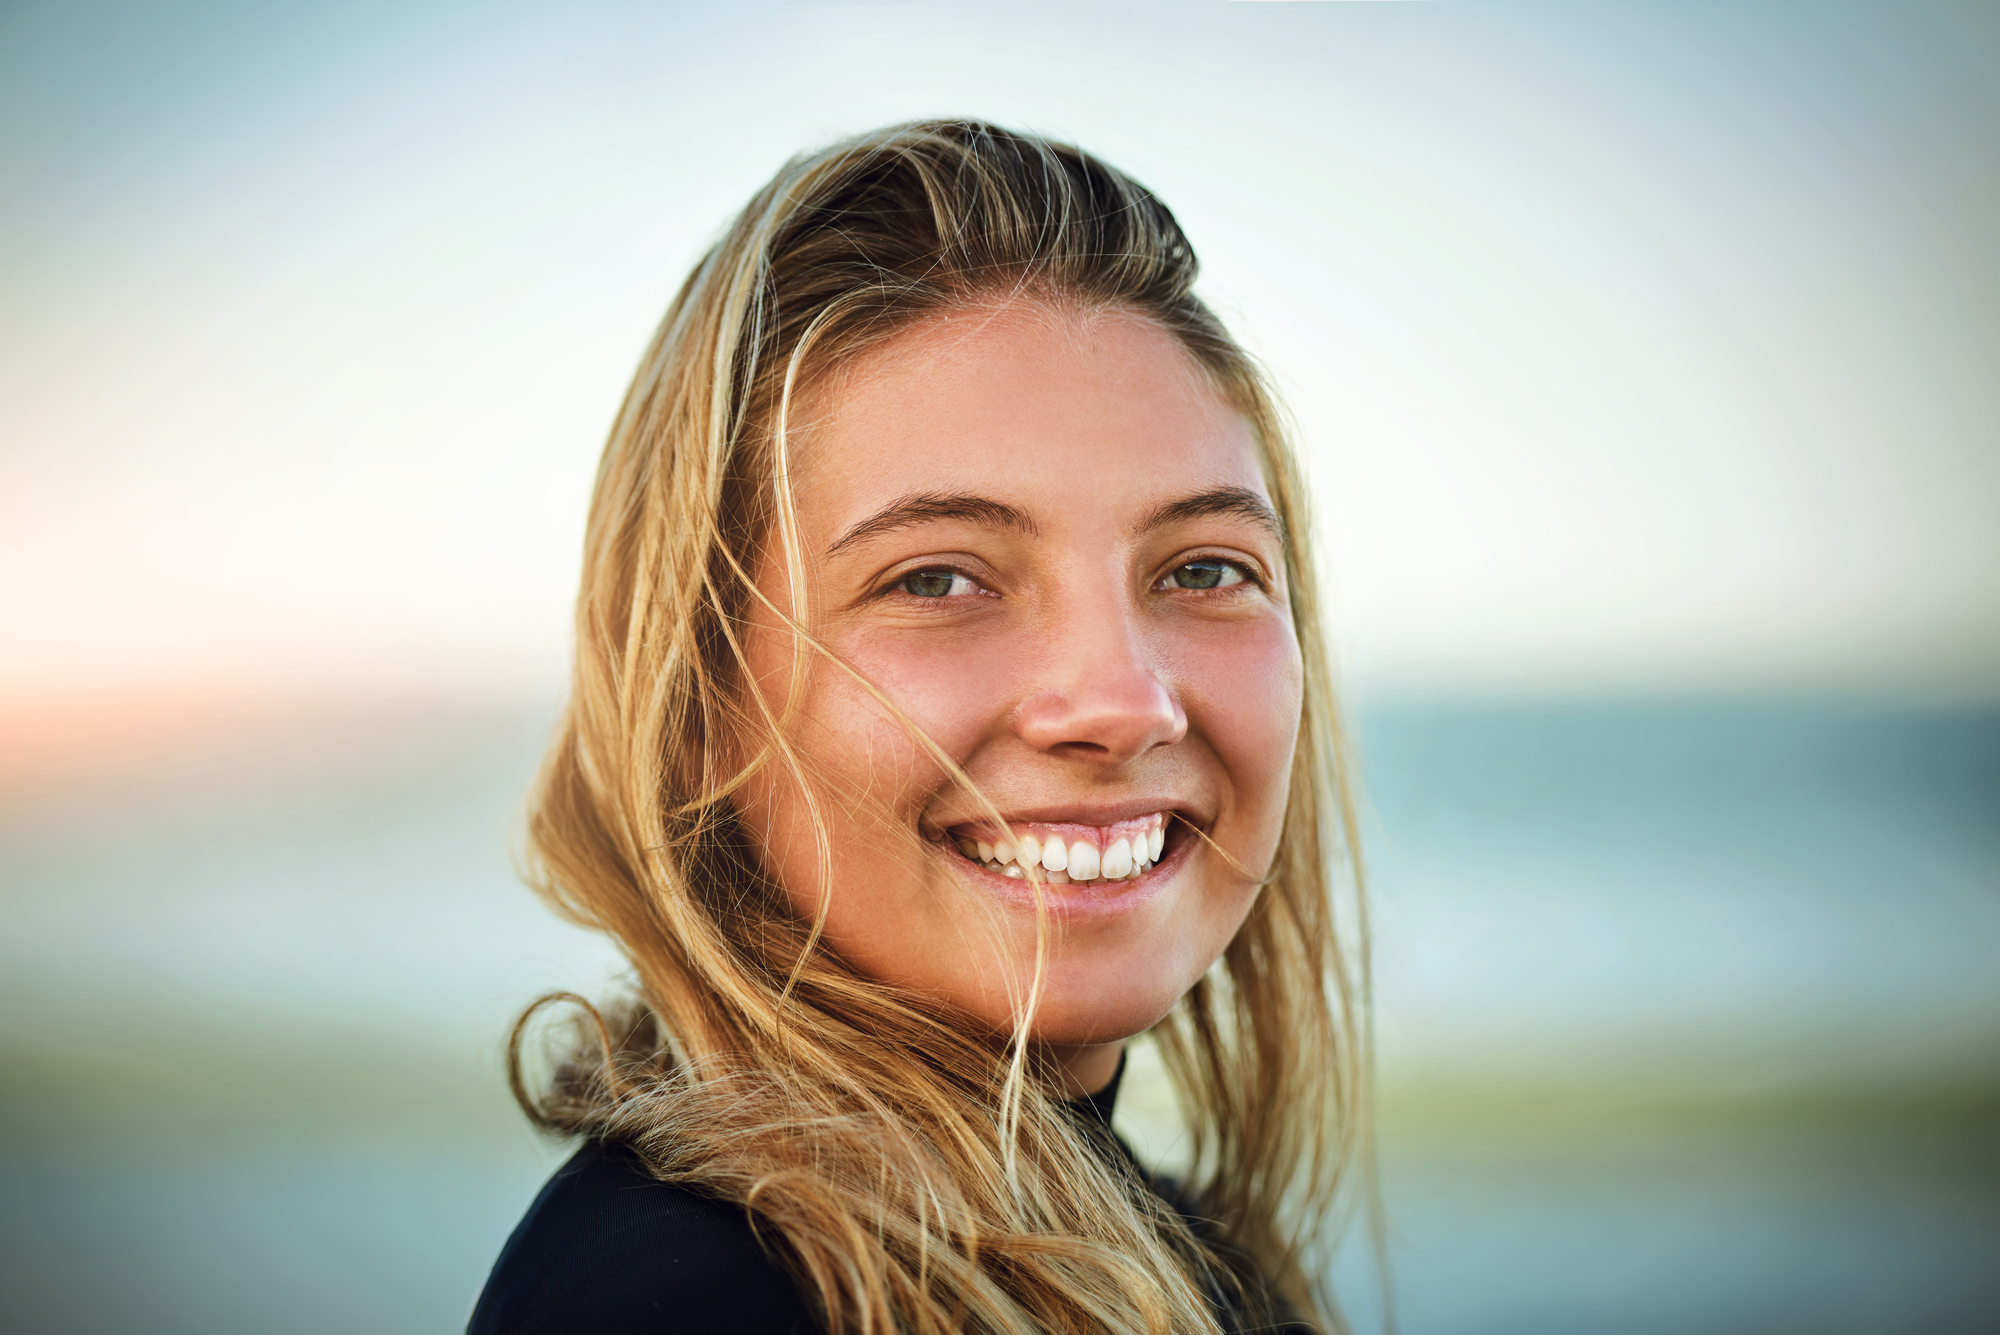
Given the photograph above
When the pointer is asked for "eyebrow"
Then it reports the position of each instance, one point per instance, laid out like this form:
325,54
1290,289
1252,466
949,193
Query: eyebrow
930,506
1239,501
934,505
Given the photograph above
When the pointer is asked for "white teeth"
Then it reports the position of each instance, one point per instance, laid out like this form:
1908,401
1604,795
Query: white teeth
1063,862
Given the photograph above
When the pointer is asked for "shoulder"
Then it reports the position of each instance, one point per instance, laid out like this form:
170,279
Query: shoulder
606,1247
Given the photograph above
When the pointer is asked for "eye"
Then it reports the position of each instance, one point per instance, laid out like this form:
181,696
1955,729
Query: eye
936,584
1205,574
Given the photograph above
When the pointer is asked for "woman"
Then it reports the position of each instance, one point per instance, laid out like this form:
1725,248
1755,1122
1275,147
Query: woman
949,709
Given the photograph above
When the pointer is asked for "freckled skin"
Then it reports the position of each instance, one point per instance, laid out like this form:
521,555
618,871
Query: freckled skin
1065,669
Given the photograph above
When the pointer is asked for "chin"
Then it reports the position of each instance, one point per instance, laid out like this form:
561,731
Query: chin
1079,1016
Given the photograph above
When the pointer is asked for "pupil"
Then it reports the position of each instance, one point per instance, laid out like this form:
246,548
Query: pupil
928,583
1201,575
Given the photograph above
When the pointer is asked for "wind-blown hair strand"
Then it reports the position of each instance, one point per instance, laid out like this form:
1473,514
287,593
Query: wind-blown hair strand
914,1175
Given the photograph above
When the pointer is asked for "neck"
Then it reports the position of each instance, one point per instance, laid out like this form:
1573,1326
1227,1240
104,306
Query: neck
1085,1068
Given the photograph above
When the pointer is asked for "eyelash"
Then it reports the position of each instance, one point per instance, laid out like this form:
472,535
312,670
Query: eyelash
1248,575
896,585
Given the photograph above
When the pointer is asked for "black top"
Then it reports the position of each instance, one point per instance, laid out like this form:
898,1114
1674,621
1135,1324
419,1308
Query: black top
607,1249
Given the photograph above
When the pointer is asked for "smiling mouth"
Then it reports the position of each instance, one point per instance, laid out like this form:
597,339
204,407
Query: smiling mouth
1068,854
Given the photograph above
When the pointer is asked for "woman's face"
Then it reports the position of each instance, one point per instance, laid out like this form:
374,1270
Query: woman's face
1048,541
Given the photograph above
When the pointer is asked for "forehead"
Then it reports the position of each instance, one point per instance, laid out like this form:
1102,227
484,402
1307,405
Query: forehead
1047,408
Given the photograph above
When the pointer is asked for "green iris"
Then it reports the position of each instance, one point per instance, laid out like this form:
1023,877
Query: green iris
929,583
1204,575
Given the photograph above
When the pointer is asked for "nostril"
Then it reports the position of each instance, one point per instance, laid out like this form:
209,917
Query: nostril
1099,727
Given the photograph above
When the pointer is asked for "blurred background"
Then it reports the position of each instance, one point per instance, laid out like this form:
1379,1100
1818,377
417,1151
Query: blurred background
1645,359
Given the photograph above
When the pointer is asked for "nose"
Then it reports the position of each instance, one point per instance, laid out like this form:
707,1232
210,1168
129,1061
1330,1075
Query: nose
1102,699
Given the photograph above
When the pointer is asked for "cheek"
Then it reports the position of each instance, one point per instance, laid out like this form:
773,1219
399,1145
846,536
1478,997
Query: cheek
952,686
1245,693
873,777
849,733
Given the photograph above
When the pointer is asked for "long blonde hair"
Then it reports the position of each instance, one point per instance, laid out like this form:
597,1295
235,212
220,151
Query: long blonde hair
913,1174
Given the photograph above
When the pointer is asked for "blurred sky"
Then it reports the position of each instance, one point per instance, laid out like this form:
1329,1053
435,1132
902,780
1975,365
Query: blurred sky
1638,346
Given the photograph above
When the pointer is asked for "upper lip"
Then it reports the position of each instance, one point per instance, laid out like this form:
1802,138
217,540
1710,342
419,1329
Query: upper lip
1079,813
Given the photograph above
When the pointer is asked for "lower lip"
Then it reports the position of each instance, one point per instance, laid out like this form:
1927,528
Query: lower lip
1078,900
